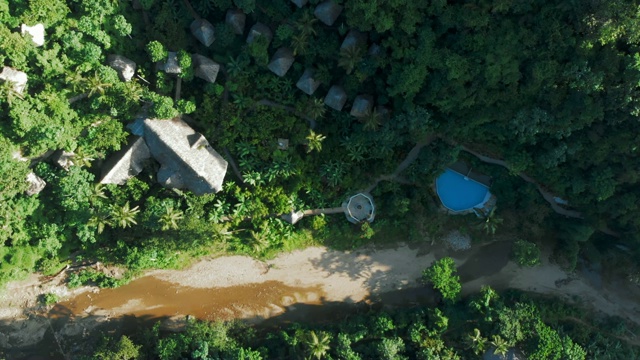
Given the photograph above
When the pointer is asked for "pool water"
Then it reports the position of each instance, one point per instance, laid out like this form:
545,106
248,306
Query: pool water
458,193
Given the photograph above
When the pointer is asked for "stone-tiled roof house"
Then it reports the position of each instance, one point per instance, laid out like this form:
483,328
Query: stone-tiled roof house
327,12
205,68
354,38
281,61
300,3
203,31
236,19
259,29
362,105
187,159
126,163
307,83
336,97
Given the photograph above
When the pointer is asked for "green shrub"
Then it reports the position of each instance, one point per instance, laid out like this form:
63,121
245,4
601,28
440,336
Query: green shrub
48,299
526,253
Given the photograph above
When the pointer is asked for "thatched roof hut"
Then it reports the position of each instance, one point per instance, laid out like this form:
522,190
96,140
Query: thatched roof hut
126,68
300,3
203,31
259,29
281,61
126,163
205,68
327,12
354,38
36,184
236,19
359,208
283,144
374,50
36,31
362,105
307,83
18,78
293,217
336,98
187,159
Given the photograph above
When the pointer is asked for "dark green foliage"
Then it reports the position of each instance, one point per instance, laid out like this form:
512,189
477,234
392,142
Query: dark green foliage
526,253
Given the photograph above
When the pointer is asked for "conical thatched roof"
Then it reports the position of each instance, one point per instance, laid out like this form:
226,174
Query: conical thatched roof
359,208
36,31
205,68
236,19
362,105
354,39
281,61
259,29
203,31
36,184
336,98
126,68
307,83
300,3
18,78
126,163
327,12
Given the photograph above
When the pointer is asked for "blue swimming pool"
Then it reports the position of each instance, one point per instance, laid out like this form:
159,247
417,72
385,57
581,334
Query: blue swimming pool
458,193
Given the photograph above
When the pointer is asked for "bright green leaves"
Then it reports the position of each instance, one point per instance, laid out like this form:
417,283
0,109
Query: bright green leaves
442,275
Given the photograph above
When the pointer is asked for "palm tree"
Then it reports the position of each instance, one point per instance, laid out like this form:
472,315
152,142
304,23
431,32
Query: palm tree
97,194
372,119
236,66
304,25
318,344
133,92
170,218
258,241
299,43
82,158
477,342
95,85
76,80
99,221
8,92
314,141
315,108
501,345
349,57
124,216
491,222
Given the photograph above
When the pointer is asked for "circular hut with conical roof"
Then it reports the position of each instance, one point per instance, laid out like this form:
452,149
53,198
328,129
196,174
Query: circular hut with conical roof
359,208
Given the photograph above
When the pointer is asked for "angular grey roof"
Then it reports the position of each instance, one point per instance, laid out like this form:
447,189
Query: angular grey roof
259,29
327,12
374,50
36,31
307,83
236,19
126,163
36,184
354,39
171,65
281,61
283,144
336,97
293,217
205,68
362,105
64,159
203,31
300,3
187,159
126,68
359,208
18,78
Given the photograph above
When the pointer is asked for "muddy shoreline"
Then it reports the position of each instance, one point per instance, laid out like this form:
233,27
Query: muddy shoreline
313,284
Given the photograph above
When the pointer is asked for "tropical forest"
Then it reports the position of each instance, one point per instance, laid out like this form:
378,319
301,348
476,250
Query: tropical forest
320,179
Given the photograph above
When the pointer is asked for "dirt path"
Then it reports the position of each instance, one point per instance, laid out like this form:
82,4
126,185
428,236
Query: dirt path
242,287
